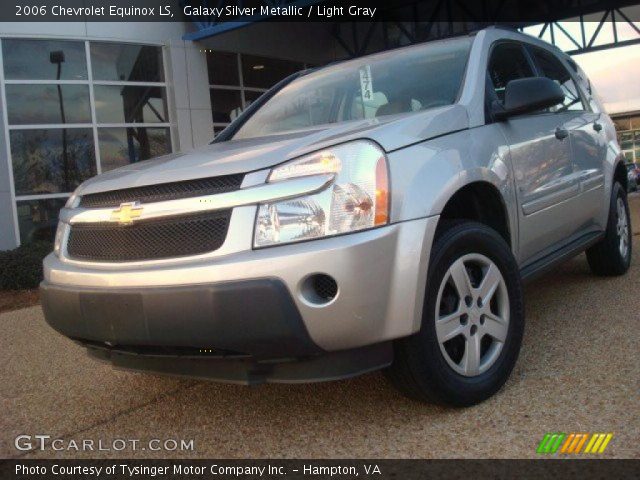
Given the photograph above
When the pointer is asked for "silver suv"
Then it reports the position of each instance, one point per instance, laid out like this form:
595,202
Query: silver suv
376,213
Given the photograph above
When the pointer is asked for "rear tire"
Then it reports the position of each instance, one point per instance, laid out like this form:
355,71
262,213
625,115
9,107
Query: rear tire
465,360
611,256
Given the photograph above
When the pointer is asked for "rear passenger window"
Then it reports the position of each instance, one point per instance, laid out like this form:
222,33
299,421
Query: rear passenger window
508,62
552,68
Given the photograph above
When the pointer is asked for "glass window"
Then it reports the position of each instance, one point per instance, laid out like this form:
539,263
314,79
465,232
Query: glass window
34,104
223,68
250,97
51,160
424,76
226,105
626,140
626,136
369,107
508,62
49,94
552,68
130,104
122,146
44,59
260,72
126,62
38,219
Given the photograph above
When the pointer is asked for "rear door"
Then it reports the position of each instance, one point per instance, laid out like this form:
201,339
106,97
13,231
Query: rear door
588,143
540,149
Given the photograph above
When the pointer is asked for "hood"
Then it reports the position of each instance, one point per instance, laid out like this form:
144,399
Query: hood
237,156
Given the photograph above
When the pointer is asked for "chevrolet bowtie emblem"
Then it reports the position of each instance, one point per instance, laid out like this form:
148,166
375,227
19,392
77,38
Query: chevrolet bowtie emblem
126,213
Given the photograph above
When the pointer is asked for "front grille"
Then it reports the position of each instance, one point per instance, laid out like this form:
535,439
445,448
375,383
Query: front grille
149,239
163,191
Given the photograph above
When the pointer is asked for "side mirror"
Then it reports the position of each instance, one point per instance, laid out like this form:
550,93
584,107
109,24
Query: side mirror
526,95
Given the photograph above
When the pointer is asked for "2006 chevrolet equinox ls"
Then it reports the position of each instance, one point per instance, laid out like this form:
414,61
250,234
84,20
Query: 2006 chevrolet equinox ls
376,213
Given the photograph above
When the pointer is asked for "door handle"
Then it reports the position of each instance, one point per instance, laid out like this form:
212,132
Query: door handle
561,133
597,126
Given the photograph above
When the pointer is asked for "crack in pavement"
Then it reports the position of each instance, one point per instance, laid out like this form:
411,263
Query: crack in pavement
156,399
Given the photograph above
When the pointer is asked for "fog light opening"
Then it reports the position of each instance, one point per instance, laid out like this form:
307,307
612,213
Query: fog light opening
319,289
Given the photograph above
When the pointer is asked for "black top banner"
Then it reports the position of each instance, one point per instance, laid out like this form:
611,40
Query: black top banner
480,12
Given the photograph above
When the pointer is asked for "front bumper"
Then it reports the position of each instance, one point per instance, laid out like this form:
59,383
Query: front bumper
248,371
256,318
143,329
250,302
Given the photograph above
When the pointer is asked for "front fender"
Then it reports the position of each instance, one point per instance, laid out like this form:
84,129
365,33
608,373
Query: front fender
425,176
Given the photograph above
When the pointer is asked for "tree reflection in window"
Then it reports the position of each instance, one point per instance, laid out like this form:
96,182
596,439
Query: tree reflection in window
121,146
38,219
41,165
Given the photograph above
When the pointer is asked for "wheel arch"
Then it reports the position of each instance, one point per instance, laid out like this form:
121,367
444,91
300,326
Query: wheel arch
480,201
620,175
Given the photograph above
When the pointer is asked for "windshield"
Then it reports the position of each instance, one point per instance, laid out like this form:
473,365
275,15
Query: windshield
398,81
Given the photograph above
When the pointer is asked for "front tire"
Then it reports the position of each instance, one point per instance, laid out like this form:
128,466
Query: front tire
611,256
472,323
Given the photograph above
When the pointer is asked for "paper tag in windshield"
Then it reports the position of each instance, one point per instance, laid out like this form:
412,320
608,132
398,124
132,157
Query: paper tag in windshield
366,83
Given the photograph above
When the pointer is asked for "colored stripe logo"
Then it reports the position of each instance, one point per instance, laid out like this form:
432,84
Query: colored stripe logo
573,443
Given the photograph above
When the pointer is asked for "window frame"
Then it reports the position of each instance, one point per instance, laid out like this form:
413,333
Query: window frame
533,64
586,107
492,47
240,87
93,123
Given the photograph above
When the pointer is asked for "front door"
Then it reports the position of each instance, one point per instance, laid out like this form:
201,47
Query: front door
540,146
588,143
546,183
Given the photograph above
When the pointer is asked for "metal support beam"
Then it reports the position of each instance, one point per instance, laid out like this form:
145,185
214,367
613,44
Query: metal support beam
403,22
599,39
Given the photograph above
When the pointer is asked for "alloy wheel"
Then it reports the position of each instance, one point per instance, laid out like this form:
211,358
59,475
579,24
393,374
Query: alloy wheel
472,314
622,228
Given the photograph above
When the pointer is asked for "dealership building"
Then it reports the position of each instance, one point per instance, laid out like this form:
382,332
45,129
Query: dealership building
78,99
81,98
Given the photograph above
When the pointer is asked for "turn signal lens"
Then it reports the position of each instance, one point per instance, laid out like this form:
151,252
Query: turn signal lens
382,193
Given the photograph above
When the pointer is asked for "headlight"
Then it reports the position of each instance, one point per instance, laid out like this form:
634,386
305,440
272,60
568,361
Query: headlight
357,199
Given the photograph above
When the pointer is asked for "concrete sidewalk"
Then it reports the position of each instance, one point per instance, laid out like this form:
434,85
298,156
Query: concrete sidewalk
578,372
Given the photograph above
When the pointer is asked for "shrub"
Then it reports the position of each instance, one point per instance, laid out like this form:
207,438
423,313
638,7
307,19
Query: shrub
21,268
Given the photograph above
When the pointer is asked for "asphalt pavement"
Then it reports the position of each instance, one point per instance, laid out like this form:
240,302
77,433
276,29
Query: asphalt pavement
577,372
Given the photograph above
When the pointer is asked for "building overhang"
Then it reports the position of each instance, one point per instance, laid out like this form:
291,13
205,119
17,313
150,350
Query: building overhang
412,21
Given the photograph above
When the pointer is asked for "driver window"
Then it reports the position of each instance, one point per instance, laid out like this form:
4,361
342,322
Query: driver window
508,62
552,68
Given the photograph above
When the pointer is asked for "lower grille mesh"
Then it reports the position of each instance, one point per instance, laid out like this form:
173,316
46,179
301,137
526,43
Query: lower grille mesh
149,240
